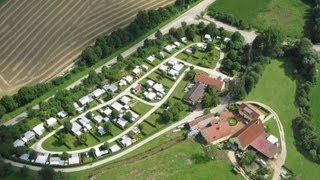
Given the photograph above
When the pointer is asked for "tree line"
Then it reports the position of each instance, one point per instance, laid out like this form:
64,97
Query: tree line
312,24
305,59
267,45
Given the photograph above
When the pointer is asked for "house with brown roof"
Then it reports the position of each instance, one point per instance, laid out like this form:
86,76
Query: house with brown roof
254,135
195,94
216,83
216,132
250,112
210,128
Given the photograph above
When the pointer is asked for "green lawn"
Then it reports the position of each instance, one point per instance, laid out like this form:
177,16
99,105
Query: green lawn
177,162
285,14
276,89
141,108
53,145
201,58
272,128
315,105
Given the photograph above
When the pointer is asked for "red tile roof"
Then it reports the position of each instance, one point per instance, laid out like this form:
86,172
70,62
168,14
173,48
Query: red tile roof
265,147
249,133
209,81
216,131
250,110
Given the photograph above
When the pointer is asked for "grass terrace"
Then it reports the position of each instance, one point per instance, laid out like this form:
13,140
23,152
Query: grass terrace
276,89
288,15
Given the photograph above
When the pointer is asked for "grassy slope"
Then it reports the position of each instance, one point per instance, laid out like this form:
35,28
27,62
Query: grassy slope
173,163
285,14
276,88
315,104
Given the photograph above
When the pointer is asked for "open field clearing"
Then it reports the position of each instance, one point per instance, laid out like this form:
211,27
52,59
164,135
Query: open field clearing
315,104
288,15
38,39
276,88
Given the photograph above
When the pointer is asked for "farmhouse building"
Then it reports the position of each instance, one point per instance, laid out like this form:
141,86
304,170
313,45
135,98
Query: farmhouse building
216,83
250,112
254,135
195,94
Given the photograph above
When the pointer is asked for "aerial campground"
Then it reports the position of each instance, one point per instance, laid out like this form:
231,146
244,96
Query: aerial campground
159,89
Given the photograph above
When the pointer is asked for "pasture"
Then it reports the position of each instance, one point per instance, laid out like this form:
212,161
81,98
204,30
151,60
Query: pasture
38,39
315,105
177,162
288,15
276,88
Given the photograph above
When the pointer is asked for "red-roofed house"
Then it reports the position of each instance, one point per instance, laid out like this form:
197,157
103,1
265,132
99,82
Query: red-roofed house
264,146
255,136
219,84
250,112
216,132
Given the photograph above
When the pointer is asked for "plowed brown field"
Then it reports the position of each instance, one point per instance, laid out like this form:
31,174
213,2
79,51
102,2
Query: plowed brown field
39,38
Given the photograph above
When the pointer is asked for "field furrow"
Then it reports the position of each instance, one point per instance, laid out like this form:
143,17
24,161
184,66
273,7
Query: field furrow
50,34
123,23
39,38
34,30
19,28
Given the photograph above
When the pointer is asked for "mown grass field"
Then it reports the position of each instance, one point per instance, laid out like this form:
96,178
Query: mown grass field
177,162
288,15
276,89
315,105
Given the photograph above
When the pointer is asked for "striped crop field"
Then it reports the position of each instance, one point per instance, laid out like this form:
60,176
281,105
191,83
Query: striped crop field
40,38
